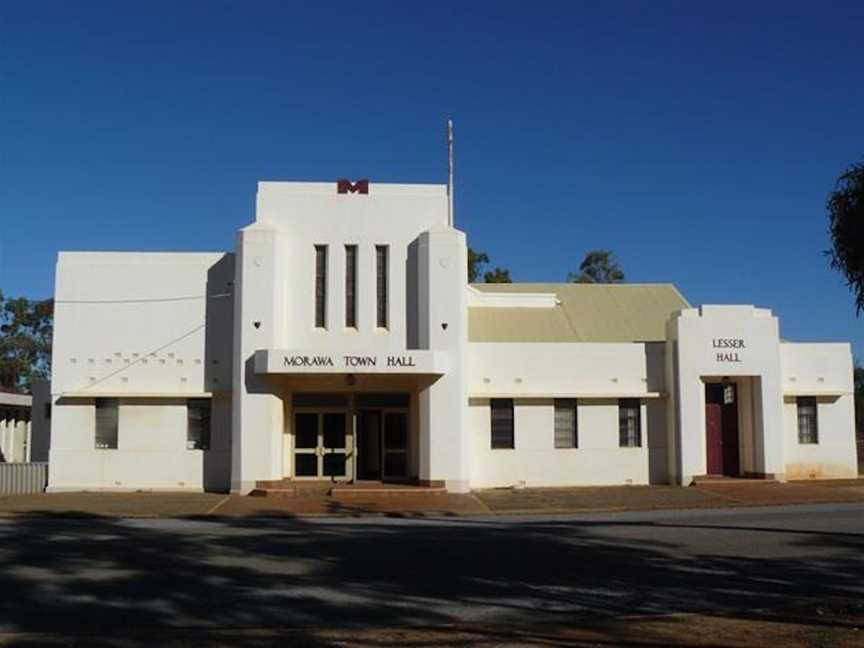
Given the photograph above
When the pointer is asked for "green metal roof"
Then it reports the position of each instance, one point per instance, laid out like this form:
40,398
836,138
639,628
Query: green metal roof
587,313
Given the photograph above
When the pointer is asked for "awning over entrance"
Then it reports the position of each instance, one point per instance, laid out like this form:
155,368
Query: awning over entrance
298,361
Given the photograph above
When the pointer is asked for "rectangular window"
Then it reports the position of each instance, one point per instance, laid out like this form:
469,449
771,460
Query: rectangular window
629,423
106,423
502,423
381,284
320,286
565,424
808,424
198,424
351,286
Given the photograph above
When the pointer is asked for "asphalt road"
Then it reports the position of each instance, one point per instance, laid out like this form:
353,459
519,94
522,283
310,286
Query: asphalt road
109,575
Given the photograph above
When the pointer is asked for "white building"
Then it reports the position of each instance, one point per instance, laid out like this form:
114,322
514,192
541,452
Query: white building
341,341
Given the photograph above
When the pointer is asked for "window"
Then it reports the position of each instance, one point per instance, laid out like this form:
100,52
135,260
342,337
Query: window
320,286
502,423
629,423
565,424
198,424
106,423
808,426
351,286
381,284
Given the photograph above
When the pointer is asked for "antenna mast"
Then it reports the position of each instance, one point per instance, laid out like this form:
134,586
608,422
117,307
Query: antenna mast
450,172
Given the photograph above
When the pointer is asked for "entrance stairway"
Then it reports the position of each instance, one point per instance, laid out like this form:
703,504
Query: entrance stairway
701,480
341,490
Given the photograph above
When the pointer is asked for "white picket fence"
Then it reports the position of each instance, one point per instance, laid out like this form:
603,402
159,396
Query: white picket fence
22,478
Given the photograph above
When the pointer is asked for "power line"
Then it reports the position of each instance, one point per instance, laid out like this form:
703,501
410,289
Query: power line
141,301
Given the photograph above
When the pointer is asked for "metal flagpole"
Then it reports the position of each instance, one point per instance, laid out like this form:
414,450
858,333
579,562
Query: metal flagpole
450,172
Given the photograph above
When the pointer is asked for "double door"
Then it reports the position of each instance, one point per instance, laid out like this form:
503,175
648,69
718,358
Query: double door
325,446
721,429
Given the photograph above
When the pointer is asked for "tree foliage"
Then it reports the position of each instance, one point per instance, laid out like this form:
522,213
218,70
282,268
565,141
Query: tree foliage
846,228
477,261
498,275
599,267
26,329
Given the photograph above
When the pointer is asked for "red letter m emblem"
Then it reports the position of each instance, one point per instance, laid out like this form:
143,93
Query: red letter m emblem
345,186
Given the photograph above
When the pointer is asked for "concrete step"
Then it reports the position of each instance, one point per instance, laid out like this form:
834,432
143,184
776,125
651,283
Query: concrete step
702,480
355,492
273,492
292,488
336,490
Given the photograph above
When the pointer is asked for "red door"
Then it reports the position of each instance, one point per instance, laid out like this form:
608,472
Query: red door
714,427
721,429
730,431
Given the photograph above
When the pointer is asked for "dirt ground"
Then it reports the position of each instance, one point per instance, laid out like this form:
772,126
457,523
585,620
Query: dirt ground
495,501
640,498
834,624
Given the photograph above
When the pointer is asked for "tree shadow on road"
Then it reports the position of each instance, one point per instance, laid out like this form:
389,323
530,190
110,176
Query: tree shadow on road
104,576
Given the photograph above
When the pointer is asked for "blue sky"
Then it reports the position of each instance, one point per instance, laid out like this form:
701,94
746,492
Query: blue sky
696,140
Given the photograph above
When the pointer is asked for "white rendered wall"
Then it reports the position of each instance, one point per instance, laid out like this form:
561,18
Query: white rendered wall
260,310
597,374
307,214
535,461
132,326
443,326
151,450
824,371
541,369
135,323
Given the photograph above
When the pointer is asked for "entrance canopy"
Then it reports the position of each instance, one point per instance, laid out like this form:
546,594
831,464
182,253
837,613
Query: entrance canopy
299,361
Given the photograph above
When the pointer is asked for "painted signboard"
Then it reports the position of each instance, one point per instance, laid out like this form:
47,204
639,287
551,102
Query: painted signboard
300,361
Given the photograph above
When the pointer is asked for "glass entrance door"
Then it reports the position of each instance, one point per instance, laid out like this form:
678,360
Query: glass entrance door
322,445
395,446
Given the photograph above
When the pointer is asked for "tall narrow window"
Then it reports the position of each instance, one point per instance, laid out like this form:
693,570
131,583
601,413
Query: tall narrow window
351,286
565,424
629,423
502,423
381,284
320,286
106,423
808,424
198,424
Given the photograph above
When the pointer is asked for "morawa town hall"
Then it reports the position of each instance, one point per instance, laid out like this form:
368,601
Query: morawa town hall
340,341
